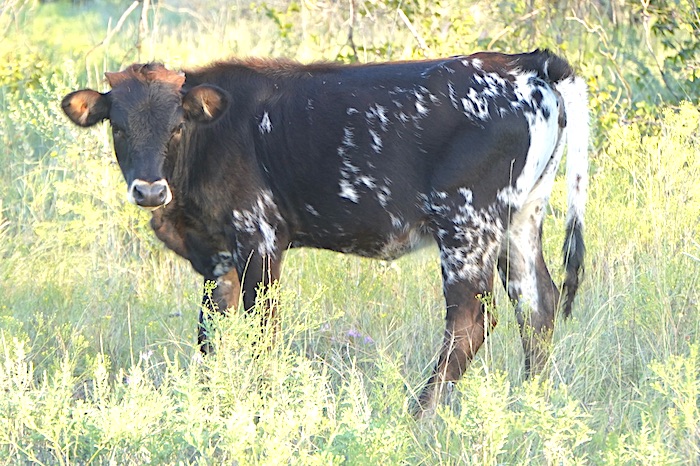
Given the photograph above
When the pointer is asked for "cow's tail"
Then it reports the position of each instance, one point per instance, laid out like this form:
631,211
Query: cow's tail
574,93
573,90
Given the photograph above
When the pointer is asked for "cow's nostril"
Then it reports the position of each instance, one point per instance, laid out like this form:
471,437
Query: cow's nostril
161,193
138,193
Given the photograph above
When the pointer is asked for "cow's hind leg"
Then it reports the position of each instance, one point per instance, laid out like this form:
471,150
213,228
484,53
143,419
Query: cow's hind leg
465,330
468,252
528,282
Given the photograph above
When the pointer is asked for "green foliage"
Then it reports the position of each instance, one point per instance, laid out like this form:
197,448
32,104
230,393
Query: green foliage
98,322
677,25
289,38
21,71
667,416
496,422
646,175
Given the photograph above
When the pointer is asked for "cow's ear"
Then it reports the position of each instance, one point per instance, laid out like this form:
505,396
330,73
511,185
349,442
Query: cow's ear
86,107
205,103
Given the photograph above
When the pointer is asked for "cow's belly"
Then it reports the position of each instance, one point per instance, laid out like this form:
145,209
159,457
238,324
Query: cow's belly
373,244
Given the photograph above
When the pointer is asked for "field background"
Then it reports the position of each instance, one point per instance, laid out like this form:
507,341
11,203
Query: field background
98,363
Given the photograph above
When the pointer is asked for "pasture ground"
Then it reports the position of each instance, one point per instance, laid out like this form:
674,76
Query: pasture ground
98,363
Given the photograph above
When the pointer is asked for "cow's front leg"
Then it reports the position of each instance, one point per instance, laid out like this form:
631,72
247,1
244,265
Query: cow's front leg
465,330
259,273
220,294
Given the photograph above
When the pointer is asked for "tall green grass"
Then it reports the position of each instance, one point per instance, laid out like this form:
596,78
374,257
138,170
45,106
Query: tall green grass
98,363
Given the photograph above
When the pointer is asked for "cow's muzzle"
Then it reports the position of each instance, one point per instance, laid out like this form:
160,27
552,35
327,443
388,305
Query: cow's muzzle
149,195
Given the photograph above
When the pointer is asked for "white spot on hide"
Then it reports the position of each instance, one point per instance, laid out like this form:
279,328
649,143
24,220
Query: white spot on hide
376,141
348,191
257,221
223,262
310,209
265,124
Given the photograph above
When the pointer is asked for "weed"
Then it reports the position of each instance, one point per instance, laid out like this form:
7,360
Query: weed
98,363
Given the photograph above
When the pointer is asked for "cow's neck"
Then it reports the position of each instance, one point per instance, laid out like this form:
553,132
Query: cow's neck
211,181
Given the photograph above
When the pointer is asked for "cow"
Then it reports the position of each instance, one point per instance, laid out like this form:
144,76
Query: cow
240,160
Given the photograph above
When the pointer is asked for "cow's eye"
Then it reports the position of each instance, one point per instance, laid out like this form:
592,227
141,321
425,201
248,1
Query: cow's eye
117,132
178,129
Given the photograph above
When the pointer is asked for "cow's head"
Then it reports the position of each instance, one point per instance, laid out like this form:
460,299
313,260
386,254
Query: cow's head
148,108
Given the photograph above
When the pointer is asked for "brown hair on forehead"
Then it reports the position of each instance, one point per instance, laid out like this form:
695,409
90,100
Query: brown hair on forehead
148,72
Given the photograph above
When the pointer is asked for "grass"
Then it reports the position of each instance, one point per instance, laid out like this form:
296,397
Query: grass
98,363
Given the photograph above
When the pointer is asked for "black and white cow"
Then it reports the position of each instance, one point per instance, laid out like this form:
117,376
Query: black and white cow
243,159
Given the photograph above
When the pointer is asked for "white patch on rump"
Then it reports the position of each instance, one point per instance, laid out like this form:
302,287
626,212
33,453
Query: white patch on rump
545,137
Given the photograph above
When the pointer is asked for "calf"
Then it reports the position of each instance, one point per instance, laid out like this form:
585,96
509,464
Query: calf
241,160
